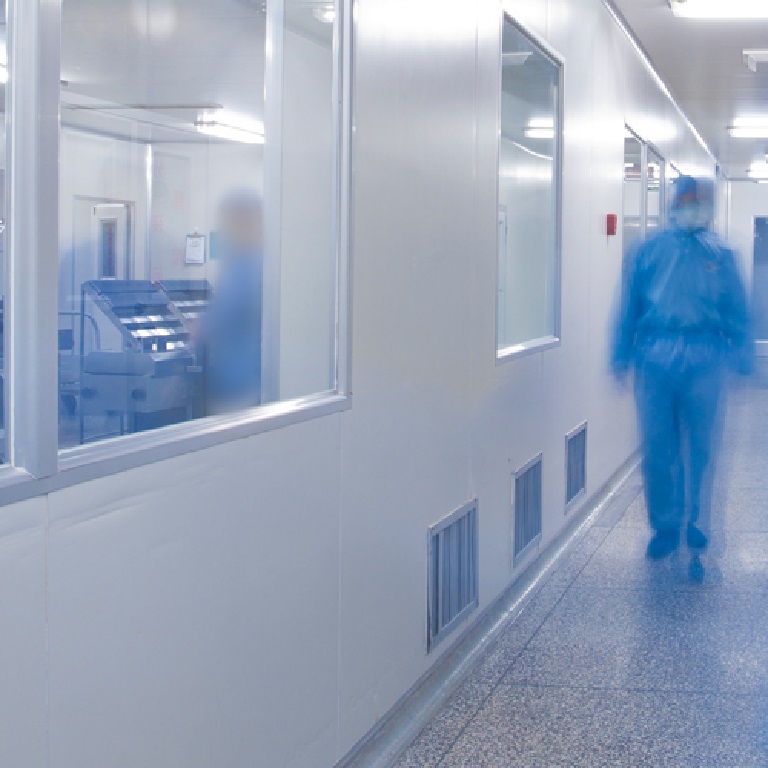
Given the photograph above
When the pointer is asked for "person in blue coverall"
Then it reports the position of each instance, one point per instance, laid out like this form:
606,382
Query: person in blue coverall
683,324
232,329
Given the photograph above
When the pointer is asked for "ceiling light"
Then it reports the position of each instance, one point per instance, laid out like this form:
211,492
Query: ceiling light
326,14
749,128
3,74
230,126
540,128
758,170
720,9
755,132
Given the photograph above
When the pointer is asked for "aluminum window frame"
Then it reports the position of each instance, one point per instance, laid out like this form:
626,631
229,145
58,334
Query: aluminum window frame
643,187
36,465
543,343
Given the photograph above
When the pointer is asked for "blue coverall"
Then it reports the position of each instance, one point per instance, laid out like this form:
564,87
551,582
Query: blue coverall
683,322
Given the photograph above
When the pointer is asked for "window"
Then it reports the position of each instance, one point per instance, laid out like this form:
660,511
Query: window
645,189
655,190
634,214
3,167
199,228
528,194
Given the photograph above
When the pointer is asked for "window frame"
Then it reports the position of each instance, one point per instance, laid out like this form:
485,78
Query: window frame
646,149
35,463
514,351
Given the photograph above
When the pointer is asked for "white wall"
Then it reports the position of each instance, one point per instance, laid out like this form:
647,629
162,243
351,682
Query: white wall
263,602
103,168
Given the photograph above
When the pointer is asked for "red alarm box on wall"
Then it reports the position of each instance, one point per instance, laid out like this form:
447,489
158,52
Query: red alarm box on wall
612,224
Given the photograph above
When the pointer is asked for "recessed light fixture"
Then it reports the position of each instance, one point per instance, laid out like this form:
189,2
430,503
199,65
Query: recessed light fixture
325,13
233,127
749,128
758,171
720,9
540,128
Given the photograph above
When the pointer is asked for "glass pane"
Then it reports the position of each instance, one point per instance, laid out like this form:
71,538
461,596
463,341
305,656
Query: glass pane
656,191
633,163
671,174
3,219
528,198
760,279
198,254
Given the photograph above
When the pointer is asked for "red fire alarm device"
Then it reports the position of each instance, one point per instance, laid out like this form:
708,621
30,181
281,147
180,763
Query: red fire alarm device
612,224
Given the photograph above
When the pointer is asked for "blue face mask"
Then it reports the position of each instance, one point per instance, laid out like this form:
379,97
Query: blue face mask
693,216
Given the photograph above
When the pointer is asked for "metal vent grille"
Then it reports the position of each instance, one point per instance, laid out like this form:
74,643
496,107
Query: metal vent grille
453,571
575,463
527,511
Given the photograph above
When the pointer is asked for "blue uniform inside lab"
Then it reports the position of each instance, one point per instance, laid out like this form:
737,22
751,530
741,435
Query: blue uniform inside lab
232,329
683,324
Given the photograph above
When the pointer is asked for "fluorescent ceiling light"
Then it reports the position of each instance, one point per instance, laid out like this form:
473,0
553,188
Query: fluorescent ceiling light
540,128
756,132
228,125
758,170
3,74
720,9
749,128
326,14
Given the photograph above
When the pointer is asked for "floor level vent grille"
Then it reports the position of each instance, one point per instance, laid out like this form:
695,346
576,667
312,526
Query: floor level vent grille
575,464
527,510
453,572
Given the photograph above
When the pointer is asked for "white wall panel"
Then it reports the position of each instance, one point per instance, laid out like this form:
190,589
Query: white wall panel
193,608
22,635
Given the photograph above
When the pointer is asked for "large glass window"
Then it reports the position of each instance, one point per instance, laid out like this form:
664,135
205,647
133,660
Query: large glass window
529,197
199,191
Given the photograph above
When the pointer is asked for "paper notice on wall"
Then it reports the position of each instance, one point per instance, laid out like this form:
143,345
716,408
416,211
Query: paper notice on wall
195,253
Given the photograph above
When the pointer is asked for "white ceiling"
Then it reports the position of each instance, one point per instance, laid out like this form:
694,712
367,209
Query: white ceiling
702,64
147,69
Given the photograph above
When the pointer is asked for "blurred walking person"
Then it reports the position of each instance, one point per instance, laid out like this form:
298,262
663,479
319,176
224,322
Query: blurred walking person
682,325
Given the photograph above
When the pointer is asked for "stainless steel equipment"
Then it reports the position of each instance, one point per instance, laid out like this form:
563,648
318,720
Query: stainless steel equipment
140,374
192,298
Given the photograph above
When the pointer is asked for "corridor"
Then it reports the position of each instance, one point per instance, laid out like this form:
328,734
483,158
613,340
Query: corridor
618,661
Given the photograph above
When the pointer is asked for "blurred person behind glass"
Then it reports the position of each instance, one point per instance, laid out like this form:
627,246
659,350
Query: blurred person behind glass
232,330
682,324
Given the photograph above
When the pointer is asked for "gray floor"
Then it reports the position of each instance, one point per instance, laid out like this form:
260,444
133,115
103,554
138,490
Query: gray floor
617,661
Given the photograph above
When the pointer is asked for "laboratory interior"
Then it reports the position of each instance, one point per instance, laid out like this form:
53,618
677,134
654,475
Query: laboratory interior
311,450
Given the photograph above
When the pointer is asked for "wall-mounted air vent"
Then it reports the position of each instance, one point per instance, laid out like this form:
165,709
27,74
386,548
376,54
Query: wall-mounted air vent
527,511
575,463
453,572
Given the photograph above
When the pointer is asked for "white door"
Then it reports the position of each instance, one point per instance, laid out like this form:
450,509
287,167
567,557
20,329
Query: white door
109,241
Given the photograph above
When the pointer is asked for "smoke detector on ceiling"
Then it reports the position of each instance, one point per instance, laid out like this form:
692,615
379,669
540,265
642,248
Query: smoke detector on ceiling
754,57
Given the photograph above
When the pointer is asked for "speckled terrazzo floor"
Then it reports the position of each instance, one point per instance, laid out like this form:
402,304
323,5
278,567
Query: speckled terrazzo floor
616,661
